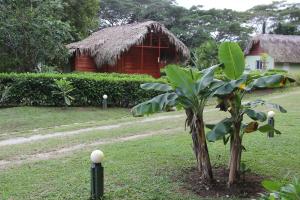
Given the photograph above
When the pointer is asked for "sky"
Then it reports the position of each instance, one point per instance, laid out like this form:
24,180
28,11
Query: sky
240,5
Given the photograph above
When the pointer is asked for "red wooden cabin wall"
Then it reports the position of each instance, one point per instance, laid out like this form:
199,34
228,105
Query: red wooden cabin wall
139,59
85,63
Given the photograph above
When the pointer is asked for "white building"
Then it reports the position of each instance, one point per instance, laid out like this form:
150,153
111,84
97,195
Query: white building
270,51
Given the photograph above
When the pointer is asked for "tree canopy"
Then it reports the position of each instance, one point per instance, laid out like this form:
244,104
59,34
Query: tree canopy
34,32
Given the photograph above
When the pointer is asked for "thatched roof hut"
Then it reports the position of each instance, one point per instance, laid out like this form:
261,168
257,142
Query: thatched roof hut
107,45
283,48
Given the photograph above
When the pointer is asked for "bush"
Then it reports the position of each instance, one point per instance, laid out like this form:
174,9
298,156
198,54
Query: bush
277,71
37,89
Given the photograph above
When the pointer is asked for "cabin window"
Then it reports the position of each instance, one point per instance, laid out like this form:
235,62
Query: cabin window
259,64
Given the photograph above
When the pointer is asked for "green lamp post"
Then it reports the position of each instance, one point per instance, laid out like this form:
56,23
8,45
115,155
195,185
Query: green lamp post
97,175
271,122
104,102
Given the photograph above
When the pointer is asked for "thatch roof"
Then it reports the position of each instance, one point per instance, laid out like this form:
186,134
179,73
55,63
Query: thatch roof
107,45
283,48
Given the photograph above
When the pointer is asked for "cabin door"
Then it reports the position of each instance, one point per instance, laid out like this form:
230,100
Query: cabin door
142,60
151,62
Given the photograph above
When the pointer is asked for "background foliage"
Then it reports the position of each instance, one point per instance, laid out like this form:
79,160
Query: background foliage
33,33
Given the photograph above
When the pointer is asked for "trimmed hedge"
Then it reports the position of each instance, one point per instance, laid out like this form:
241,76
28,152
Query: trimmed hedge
36,89
123,90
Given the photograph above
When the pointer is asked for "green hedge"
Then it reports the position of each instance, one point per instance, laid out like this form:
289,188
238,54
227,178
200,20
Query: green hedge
123,90
36,89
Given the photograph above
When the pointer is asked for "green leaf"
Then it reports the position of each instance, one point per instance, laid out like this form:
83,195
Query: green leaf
271,186
206,79
210,126
220,130
232,56
260,102
260,116
266,81
266,128
156,86
156,104
229,87
182,79
67,101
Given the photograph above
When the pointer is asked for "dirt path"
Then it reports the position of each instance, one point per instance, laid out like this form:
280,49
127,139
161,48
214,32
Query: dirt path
19,160
33,138
39,137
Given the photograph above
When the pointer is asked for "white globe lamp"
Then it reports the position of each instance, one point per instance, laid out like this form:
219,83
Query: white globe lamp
271,114
97,156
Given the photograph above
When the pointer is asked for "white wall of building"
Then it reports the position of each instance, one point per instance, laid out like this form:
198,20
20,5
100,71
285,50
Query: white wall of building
251,61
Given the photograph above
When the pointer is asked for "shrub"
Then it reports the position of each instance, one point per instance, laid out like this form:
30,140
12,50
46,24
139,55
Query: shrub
37,89
64,88
278,190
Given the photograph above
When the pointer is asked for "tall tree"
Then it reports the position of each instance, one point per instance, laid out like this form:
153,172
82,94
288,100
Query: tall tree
225,25
31,33
82,16
116,12
280,15
286,29
206,55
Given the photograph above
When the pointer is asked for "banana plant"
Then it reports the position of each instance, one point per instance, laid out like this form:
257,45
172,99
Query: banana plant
190,90
63,89
230,95
278,190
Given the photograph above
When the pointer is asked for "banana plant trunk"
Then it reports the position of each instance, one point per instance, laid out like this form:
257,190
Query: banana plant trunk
200,148
235,156
204,155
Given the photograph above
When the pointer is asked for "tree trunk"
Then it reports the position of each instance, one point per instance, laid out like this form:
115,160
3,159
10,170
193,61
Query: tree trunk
231,144
235,156
206,173
196,125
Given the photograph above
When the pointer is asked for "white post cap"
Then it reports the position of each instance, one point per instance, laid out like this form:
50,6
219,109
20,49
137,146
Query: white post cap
105,96
271,113
97,156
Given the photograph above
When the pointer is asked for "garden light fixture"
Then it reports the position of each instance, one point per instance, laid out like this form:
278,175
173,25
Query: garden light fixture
271,122
97,175
104,102
271,114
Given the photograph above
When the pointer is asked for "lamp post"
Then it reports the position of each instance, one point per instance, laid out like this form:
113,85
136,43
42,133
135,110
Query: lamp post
104,102
271,122
97,175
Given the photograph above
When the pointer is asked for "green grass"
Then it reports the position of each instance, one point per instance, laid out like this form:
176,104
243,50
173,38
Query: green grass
22,119
148,168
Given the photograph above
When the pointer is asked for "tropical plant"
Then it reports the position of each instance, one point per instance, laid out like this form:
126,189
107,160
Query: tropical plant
230,95
64,88
188,89
282,191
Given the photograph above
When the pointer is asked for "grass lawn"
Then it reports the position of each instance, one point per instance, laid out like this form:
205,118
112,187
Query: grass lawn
20,120
147,168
